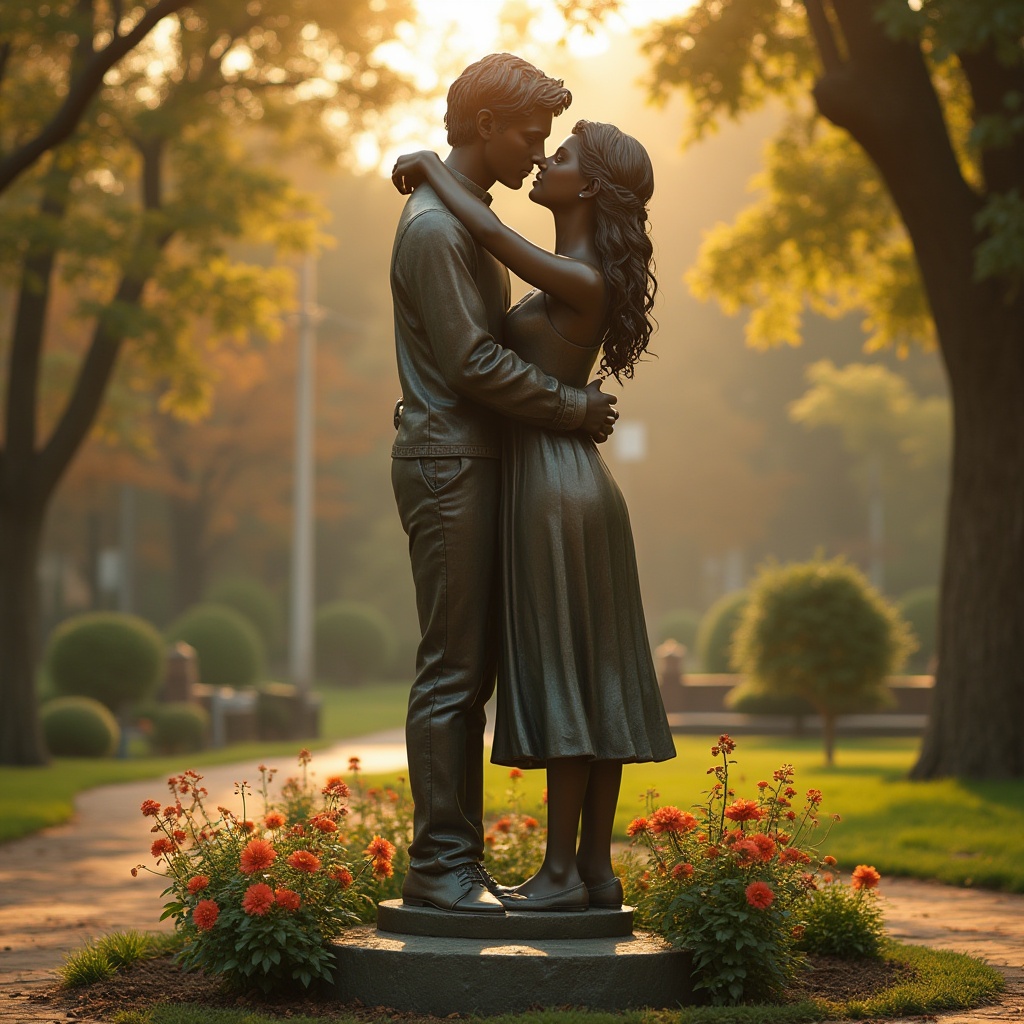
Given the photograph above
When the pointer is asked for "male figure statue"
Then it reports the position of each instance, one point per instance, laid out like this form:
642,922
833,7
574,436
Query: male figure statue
450,298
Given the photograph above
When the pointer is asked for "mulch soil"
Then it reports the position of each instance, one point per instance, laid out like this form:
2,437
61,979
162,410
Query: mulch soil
160,980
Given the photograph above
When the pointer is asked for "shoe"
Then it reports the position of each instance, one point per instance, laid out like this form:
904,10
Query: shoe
606,896
571,899
495,888
460,889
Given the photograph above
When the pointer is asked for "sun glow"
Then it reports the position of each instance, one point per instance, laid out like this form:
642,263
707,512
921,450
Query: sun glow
450,34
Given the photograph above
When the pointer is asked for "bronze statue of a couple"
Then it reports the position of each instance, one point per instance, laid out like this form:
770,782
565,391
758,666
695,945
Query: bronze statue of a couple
520,542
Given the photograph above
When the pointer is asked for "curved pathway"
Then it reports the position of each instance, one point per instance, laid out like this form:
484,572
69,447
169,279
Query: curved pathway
68,884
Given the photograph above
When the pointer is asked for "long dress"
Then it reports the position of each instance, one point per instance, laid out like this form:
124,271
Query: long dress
575,675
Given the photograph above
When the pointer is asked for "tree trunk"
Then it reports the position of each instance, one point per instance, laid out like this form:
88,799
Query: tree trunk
976,727
828,735
21,739
188,528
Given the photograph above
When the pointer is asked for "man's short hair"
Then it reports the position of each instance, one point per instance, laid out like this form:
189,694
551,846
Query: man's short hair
508,86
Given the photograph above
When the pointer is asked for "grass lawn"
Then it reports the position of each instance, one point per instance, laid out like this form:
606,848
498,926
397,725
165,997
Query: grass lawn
964,833
32,798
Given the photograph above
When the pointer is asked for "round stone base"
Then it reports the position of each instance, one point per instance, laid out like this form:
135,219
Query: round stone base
439,976
395,916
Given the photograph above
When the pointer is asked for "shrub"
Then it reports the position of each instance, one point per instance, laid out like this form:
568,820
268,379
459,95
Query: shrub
177,727
228,648
749,699
920,610
842,921
680,625
79,727
109,656
714,636
256,601
279,711
353,642
820,631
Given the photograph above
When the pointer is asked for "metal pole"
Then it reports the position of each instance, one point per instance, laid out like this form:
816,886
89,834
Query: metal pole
301,619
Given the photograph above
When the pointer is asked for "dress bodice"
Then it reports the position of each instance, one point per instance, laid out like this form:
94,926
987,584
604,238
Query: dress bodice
530,333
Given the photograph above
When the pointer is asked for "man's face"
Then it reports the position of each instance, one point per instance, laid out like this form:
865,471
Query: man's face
511,154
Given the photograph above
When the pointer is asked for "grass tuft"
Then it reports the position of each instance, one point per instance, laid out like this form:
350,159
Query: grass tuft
104,957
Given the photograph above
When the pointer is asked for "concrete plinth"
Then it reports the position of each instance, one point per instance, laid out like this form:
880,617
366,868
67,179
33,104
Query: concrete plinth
394,916
439,976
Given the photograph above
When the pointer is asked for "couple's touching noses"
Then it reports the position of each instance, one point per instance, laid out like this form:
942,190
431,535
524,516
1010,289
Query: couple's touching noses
520,543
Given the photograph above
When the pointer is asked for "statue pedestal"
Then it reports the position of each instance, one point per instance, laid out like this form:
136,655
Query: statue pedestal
433,962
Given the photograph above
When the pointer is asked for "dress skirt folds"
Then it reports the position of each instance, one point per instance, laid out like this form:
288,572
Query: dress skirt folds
575,676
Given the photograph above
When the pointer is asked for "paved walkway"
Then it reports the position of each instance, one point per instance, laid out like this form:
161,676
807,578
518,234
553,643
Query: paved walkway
68,884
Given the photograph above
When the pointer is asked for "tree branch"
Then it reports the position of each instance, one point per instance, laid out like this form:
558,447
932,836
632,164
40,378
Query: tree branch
824,37
83,88
5,53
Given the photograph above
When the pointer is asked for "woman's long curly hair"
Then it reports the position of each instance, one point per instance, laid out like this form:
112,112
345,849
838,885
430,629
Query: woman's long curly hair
623,169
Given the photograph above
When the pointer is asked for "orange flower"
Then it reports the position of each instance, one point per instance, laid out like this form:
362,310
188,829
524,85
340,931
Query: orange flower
671,819
503,824
380,849
760,895
179,835
197,883
336,786
324,824
274,820
798,931
161,846
303,860
864,877
515,773
636,826
287,898
829,861
712,852
305,757
793,855
353,764
530,823
383,868
746,851
205,914
343,876
257,855
726,743
258,899
682,871
814,796
150,808
744,810
765,845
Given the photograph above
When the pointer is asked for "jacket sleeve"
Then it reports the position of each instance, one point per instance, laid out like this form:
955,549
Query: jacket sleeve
436,260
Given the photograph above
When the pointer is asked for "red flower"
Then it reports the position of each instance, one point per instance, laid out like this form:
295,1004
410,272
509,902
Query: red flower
671,819
324,824
305,757
530,823
383,868
336,786
380,849
287,898
636,826
274,820
353,764
792,855
765,845
682,871
746,851
760,895
343,876
179,835
515,773
150,808
744,810
712,852
727,743
864,877
258,899
197,883
303,860
205,914
503,824
257,855
161,846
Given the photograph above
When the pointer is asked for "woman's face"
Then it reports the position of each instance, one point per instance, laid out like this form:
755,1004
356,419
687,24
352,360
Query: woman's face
558,181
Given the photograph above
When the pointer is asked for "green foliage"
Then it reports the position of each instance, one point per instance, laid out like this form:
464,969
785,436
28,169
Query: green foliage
79,727
714,637
253,599
354,642
839,920
514,840
104,957
818,630
681,625
750,699
177,727
109,656
920,609
228,648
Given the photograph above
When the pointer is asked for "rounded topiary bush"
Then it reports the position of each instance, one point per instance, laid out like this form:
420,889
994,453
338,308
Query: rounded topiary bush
79,727
109,656
820,631
920,610
228,649
714,636
178,727
681,625
354,642
256,601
